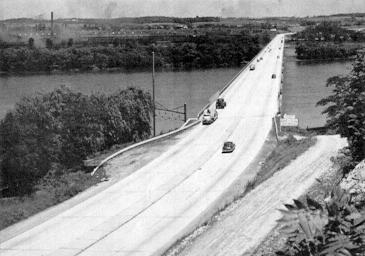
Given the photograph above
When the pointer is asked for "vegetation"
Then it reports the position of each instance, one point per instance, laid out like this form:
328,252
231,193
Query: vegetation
329,32
326,41
324,51
194,52
52,133
336,228
346,107
285,151
52,189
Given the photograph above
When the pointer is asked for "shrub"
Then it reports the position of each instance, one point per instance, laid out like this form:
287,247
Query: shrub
64,127
337,228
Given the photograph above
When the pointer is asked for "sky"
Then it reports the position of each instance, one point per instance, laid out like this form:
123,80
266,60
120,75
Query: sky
179,8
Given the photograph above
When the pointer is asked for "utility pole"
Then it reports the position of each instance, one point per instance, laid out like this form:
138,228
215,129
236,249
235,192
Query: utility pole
185,119
153,95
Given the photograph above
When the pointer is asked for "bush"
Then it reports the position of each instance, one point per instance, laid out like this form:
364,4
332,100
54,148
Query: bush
63,127
337,228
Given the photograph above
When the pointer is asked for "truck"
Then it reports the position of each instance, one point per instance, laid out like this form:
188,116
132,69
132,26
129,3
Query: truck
210,114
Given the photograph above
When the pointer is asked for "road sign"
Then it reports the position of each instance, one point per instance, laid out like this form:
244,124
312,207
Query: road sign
289,120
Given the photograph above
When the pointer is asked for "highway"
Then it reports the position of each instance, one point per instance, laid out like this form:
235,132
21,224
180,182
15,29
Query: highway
146,212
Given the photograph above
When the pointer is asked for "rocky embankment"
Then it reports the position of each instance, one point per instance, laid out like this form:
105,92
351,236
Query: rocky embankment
355,182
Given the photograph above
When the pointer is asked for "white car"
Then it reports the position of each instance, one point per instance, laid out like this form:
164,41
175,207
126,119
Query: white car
209,117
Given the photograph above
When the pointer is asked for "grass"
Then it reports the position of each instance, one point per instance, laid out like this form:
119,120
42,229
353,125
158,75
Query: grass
285,151
53,189
275,241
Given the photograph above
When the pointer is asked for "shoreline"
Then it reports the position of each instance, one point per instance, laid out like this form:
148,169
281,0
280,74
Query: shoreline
110,70
325,60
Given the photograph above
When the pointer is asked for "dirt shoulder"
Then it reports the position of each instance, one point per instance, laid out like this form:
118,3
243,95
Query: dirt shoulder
245,225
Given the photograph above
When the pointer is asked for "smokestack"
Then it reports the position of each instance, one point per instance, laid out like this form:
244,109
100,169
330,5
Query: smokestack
51,24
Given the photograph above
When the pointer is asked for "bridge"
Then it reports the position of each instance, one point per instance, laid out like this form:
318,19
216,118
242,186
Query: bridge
146,212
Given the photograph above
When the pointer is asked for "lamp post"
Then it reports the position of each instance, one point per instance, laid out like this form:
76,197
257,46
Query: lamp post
153,95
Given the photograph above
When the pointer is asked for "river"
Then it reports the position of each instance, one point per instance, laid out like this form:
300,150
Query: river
173,89
304,85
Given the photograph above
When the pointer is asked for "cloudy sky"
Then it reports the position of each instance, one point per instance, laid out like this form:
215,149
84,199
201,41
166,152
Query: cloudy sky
186,8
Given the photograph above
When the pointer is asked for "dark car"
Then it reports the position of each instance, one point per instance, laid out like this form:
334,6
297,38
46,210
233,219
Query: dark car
220,103
228,147
273,76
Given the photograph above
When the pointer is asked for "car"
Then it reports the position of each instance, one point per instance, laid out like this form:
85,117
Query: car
228,147
209,116
252,67
220,103
273,76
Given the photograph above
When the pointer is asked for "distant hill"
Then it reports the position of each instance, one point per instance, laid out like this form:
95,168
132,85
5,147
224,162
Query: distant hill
165,19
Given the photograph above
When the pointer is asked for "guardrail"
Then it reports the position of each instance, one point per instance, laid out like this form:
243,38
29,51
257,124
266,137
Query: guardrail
139,144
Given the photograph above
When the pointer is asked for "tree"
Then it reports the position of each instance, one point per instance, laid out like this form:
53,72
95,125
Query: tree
31,42
62,127
266,38
70,42
49,43
346,110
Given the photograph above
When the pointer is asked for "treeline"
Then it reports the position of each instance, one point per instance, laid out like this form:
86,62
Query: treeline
324,51
149,19
329,32
196,52
56,131
162,19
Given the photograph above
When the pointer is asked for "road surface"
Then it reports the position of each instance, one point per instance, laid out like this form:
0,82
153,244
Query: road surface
242,229
149,210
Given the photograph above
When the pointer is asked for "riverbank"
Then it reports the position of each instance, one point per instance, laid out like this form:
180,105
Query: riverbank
115,71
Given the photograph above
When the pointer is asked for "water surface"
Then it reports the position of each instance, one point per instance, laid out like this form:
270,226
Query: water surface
173,89
305,84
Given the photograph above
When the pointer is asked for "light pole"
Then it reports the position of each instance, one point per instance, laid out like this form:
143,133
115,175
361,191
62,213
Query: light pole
153,95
